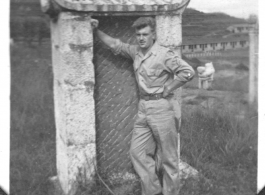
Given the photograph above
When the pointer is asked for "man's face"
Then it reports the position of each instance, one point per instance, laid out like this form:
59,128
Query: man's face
145,37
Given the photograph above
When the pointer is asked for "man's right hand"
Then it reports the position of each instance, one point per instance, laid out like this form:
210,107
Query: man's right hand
106,39
166,91
94,23
172,86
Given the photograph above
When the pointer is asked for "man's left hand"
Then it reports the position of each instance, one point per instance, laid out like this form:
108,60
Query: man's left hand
166,91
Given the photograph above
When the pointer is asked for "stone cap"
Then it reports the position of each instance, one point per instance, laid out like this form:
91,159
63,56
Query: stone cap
121,7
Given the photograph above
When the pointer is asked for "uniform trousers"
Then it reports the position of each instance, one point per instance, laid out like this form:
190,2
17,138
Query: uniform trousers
154,147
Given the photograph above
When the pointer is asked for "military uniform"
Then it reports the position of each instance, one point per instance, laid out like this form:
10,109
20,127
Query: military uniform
155,129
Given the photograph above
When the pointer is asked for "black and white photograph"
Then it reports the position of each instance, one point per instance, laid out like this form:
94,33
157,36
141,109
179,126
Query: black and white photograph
133,97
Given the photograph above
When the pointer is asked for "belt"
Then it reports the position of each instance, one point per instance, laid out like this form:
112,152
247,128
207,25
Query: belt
152,96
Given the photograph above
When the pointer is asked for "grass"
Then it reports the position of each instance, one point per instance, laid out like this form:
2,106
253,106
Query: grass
32,158
221,146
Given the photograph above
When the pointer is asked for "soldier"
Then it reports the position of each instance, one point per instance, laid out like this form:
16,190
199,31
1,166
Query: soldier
154,141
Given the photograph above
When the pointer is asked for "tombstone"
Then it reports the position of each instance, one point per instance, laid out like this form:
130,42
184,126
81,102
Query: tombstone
205,74
95,92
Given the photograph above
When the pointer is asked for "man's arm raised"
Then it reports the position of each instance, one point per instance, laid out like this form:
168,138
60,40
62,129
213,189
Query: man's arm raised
106,39
117,46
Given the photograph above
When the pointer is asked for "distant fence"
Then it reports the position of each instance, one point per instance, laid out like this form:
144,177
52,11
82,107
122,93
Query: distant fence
193,55
231,52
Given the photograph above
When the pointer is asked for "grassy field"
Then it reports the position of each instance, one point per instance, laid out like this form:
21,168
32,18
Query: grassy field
32,158
218,138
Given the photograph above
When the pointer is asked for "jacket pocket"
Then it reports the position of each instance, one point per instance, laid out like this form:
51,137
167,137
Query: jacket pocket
154,72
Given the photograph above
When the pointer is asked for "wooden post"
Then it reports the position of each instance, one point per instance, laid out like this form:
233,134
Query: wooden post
253,66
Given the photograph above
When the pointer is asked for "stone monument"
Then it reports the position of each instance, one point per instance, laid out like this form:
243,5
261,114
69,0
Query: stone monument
94,112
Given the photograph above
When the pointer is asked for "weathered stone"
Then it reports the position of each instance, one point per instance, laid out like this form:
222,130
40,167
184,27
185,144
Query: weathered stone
169,31
206,74
73,96
187,171
122,7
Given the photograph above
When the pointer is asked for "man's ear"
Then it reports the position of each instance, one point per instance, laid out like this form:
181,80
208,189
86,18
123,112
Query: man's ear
154,35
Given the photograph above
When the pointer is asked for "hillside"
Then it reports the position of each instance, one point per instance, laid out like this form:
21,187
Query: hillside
27,20
196,23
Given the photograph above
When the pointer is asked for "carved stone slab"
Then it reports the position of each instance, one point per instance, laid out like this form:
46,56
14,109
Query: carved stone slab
118,7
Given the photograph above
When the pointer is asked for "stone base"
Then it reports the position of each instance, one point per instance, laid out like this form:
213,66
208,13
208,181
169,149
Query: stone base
187,171
128,181
205,84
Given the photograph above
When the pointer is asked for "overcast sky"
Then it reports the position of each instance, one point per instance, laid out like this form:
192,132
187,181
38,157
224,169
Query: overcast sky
238,8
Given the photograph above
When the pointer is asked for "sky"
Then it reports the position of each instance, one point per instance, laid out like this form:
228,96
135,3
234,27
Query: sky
237,8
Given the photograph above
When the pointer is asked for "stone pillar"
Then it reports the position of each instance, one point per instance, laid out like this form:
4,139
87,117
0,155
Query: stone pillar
253,66
169,31
169,34
72,53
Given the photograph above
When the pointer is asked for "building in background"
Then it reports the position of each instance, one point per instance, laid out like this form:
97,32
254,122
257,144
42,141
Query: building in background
200,45
239,28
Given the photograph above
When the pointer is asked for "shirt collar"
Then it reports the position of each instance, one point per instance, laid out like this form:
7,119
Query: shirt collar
153,50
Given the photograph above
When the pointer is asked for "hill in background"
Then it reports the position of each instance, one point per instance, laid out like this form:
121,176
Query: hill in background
27,20
196,23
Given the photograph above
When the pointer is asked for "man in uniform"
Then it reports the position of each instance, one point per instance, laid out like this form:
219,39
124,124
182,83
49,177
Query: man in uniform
158,71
